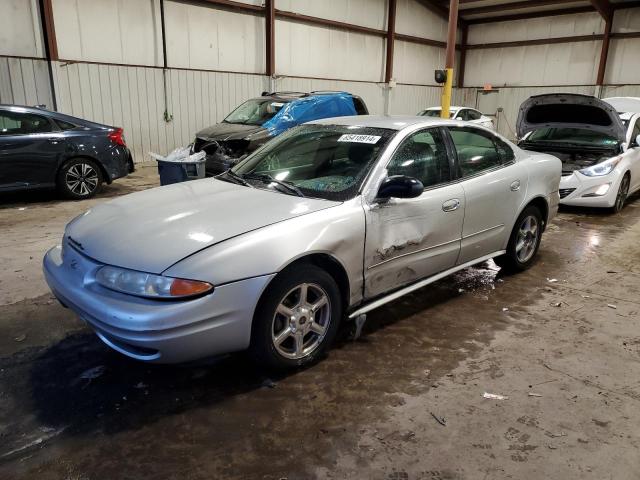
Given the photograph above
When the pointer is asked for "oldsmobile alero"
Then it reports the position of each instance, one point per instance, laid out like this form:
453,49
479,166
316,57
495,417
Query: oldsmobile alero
329,220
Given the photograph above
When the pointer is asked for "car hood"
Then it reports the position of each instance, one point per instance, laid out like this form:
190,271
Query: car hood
566,110
229,131
151,230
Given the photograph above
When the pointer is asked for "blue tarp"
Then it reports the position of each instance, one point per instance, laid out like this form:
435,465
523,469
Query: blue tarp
310,108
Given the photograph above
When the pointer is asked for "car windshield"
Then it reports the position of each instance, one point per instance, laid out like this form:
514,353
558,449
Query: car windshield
255,111
572,135
436,113
322,161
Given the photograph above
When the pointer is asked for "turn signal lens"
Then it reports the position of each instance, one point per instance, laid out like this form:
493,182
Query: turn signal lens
188,288
148,285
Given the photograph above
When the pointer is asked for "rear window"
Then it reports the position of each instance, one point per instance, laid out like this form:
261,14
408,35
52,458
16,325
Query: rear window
64,125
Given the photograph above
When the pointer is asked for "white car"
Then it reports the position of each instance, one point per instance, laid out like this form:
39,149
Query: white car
465,114
598,142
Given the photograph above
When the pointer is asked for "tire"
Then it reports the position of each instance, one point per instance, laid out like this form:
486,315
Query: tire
520,256
288,333
79,179
623,193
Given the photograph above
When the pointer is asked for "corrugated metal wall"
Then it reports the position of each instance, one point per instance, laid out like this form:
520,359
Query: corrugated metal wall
510,99
133,98
25,81
204,42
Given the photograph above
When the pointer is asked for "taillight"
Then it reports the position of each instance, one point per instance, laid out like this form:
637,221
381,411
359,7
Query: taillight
117,137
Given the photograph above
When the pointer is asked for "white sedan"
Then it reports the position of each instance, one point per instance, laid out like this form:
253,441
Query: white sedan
598,142
465,114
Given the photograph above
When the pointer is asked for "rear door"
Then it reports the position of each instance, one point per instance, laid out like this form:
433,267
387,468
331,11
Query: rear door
409,239
30,149
494,187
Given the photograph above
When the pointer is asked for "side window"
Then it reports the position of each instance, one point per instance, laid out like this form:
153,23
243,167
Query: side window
9,124
422,156
462,115
478,150
473,115
64,125
18,123
361,108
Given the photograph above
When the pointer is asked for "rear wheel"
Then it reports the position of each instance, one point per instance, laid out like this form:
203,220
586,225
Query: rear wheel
623,193
296,319
524,241
79,178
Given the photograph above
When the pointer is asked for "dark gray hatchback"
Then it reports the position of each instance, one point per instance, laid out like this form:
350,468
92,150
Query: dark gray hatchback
44,149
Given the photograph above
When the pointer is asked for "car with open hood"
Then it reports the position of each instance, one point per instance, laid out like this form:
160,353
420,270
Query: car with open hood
598,142
258,120
331,219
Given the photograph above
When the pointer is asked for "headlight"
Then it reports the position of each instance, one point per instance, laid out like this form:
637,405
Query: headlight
149,285
601,169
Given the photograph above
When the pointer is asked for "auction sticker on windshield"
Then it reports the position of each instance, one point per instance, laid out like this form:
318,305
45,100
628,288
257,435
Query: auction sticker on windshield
351,137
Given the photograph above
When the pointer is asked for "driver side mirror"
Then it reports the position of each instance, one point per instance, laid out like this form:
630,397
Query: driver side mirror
635,143
400,186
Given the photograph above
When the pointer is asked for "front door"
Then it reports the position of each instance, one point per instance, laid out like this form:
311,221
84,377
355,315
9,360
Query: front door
30,148
409,239
494,187
633,152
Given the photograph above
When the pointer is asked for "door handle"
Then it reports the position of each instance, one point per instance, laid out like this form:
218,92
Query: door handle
450,205
55,141
515,186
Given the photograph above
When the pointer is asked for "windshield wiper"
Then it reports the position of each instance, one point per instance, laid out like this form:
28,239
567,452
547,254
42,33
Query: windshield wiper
236,178
266,178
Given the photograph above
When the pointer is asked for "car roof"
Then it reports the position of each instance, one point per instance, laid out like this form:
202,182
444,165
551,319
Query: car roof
24,108
293,96
392,122
452,107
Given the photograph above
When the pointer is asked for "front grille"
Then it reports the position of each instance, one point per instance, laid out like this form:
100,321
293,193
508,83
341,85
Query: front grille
565,192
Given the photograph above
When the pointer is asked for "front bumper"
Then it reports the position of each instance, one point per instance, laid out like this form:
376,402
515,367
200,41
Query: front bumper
574,187
151,330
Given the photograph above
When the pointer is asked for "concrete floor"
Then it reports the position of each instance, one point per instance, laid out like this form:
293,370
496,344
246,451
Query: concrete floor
366,411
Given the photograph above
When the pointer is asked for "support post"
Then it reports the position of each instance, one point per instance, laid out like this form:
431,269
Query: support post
269,17
604,52
450,59
168,116
463,55
391,31
50,43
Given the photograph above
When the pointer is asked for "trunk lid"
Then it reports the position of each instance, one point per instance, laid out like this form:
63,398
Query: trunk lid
569,110
151,230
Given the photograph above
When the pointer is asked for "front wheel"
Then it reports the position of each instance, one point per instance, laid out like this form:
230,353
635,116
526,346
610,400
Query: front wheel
79,178
524,241
296,319
623,193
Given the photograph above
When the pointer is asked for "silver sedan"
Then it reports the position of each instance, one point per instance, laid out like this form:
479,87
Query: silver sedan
327,221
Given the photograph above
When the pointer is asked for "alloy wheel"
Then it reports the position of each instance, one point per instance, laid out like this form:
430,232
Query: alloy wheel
528,236
623,191
301,321
82,179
